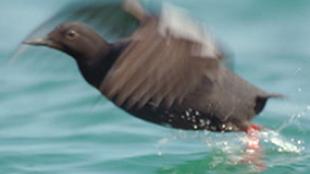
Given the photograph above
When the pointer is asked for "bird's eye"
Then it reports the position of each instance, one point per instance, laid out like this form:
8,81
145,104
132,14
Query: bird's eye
71,34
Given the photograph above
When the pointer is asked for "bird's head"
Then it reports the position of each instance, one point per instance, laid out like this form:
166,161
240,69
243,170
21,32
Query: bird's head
76,39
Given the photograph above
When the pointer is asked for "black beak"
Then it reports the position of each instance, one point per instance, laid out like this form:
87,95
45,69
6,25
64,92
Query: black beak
42,42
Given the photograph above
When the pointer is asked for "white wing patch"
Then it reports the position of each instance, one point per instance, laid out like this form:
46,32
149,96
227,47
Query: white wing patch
175,21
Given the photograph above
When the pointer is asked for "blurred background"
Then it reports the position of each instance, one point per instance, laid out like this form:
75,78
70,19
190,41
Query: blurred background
52,121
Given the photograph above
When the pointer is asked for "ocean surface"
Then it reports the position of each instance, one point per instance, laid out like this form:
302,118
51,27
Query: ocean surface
53,122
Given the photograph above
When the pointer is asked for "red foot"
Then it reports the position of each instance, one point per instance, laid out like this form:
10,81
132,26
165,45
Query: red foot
254,127
253,154
252,137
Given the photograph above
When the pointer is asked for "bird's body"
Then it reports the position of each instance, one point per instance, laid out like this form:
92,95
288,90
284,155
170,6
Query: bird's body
162,76
95,70
207,96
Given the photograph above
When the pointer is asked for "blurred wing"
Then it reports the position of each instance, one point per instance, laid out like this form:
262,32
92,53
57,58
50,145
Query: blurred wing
161,65
107,17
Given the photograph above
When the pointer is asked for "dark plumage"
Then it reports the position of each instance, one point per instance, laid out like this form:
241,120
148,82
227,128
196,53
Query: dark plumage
161,75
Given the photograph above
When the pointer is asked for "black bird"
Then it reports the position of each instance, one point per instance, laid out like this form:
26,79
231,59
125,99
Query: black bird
168,72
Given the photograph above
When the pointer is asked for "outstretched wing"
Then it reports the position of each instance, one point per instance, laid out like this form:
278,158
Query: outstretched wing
107,17
162,65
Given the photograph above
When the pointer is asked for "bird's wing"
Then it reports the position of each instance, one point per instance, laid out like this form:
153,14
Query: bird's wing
161,65
108,18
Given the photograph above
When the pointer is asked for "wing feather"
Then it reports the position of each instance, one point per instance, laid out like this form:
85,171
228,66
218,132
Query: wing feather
157,69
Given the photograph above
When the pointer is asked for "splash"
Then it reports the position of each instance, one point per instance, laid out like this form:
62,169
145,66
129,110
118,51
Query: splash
231,149
295,119
282,144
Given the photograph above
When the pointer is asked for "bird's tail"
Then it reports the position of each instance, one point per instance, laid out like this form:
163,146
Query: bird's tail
260,101
276,96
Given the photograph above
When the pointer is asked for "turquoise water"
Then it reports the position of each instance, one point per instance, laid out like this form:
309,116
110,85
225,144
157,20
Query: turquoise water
52,121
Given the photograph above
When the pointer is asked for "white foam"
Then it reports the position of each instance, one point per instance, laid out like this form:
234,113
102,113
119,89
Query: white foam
282,144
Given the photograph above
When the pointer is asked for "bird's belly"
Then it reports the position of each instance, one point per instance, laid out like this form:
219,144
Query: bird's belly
188,119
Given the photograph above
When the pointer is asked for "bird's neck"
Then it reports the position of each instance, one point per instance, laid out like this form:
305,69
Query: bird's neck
94,71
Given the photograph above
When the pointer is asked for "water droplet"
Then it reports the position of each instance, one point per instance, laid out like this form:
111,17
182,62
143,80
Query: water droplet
299,115
163,141
201,122
308,107
299,90
299,142
298,70
208,122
